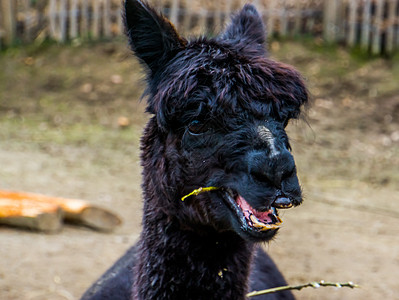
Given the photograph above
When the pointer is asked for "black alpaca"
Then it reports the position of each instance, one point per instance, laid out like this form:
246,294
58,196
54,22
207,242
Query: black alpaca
220,108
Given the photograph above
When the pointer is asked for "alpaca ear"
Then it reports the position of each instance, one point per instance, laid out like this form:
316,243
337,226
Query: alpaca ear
152,37
246,30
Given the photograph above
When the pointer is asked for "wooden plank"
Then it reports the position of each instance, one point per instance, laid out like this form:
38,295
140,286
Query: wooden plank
27,21
63,19
26,213
188,14
351,37
283,18
119,21
203,14
58,19
84,19
52,17
96,22
73,19
107,18
1,28
365,36
271,15
392,8
396,34
228,9
9,20
261,8
377,26
298,17
340,21
330,20
74,210
217,17
174,13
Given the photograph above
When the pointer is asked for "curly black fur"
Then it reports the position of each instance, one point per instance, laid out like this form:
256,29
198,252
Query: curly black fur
220,108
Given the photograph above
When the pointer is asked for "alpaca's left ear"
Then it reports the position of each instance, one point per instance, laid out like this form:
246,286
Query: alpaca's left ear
246,31
152,37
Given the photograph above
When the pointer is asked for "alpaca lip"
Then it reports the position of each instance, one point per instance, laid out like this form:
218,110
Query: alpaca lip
249,217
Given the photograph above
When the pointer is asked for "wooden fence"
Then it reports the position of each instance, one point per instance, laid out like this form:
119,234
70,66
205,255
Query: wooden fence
372,25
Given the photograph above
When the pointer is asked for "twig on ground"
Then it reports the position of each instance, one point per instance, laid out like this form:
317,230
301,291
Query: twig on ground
299,287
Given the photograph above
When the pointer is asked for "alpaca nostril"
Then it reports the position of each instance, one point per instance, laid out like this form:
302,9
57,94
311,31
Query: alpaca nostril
282,202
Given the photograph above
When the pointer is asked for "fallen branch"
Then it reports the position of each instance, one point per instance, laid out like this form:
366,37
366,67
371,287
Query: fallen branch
299,287
45,217
74,210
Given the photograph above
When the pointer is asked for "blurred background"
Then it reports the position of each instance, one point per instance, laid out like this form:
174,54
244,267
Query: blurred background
71,119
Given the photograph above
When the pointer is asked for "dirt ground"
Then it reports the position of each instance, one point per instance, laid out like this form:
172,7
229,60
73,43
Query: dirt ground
59,135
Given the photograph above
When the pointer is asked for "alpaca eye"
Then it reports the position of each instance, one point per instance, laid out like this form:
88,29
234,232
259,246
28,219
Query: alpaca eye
196,128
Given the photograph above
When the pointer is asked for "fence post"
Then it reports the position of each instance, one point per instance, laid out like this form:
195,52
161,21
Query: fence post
63,14
341,21
217,16
298,18
365,38
391,26
9,23
203,14
270,18
187,16
27,21
377,24
73,17
353,5
120,24
283,18
227,10
95,25
396,30
84,26
330,20
174,13
58,20
107,18
52,15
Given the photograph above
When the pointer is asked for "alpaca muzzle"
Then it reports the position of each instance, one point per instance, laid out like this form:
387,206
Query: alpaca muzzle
274,168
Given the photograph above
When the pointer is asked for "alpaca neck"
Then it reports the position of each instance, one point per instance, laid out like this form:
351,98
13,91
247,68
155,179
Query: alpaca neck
180,264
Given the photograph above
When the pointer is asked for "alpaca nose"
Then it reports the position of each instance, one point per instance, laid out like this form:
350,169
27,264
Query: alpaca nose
271,168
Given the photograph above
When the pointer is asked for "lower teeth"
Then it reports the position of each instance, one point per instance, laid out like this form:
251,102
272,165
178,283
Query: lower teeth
255,222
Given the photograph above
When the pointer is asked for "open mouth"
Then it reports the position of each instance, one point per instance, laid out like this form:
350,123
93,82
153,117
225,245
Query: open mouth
250,219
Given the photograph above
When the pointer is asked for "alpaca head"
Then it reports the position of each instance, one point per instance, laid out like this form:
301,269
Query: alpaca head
220,108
